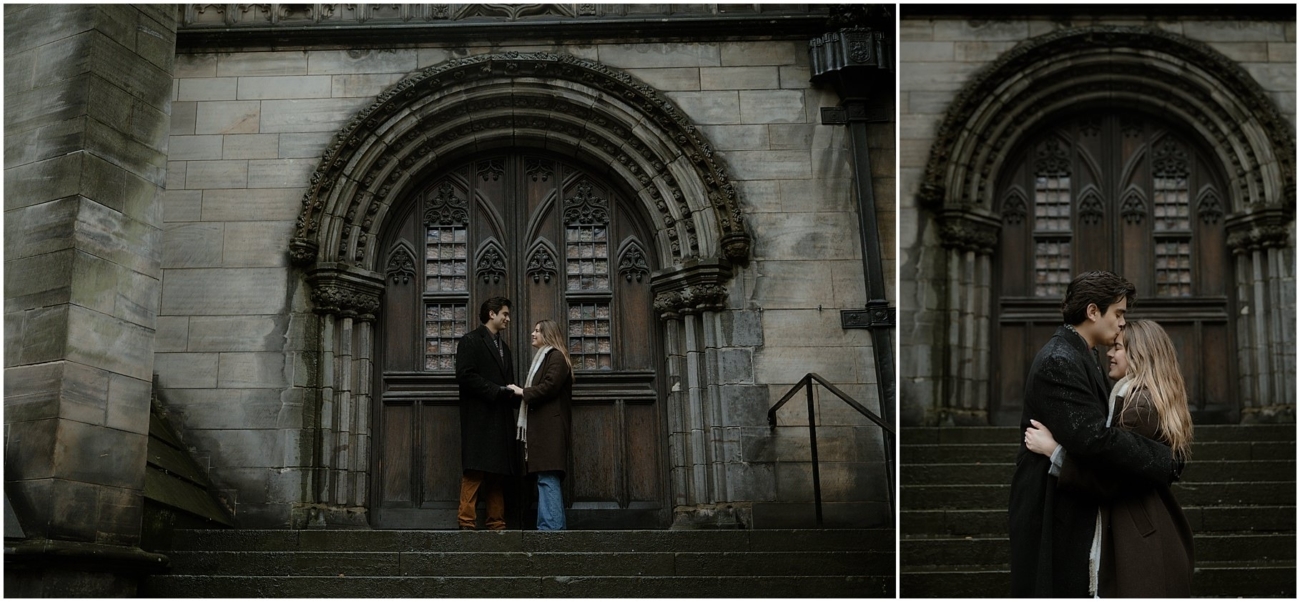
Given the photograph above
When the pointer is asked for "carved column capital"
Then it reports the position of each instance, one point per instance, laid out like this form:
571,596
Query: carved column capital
693,287
968,231
1260,229
346,293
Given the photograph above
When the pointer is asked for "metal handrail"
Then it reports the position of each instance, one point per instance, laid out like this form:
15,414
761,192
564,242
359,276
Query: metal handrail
807,383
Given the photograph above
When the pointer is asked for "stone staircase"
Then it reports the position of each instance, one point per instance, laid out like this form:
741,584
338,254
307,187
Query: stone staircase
1238,492
515,564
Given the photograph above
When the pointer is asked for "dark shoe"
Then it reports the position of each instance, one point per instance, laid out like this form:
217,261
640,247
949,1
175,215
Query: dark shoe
468,528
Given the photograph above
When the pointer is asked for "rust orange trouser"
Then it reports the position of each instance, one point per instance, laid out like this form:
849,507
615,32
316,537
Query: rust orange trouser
473,481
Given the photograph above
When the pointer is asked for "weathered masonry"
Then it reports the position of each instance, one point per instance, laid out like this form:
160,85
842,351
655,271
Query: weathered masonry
1157,144
275,220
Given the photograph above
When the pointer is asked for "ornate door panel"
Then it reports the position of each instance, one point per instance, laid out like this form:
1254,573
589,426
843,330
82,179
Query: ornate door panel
1121,192
561,243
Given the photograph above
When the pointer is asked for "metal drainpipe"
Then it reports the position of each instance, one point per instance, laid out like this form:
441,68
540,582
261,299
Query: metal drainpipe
858,62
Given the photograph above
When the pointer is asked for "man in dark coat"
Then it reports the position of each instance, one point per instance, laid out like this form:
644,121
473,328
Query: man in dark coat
1066,390
484,372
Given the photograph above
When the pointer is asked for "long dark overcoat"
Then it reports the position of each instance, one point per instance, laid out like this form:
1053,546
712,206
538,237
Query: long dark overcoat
1146,543
1051,531
550,414
487,419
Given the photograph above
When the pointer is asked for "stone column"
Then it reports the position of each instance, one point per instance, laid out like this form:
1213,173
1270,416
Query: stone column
1264,246
346,299
701,440
969,240
87,111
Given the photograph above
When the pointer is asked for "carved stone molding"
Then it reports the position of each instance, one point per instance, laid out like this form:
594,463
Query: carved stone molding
969,232
1141,65
199,16
1268,229
302,253
694,287
385,147
346,293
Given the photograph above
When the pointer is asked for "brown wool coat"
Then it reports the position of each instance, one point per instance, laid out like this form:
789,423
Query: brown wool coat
1146,543
550,417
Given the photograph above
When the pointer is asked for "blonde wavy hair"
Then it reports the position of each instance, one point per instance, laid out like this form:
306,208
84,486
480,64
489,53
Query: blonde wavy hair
1153,365
551,335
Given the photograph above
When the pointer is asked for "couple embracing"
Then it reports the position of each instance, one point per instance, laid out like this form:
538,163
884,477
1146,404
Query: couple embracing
1091,511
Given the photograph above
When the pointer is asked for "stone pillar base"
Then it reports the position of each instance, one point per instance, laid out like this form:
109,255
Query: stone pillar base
65,569
323,516
1284,414
955,417
738,515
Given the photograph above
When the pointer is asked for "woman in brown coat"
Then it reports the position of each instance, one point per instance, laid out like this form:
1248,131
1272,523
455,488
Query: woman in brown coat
1144,548
544,421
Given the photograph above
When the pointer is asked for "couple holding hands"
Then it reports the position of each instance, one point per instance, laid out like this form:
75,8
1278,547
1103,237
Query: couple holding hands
490,427
1091,511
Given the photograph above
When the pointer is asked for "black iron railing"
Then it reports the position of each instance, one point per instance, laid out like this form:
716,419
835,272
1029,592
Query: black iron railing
806,383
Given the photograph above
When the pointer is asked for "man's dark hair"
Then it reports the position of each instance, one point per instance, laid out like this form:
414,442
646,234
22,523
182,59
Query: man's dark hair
1101,288
491,306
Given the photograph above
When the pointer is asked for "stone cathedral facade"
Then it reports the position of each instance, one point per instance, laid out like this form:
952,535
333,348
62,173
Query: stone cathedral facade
268,224
1036,144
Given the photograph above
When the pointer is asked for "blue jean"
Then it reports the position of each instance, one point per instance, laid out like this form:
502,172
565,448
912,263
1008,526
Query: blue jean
550,504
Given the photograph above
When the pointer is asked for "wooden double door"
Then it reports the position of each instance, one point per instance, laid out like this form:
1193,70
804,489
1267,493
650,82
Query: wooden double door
561,242
1125,192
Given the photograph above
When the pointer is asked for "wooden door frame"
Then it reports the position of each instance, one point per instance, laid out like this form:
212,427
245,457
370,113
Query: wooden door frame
623,383
1045,312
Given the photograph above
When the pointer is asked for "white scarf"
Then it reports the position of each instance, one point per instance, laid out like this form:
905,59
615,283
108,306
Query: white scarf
521,424
1094,555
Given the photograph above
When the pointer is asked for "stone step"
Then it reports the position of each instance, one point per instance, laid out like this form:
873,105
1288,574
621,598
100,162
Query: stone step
754,540
1195,472
518,587
1002,434
934,497
524,564
1207,519
1003,453
1203,519
997,550
1220,580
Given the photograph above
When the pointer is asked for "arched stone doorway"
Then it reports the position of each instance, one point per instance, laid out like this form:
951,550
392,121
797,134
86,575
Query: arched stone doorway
1047,81
511,106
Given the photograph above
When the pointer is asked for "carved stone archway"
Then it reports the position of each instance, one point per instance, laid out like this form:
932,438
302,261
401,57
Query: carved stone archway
559,103
1149,69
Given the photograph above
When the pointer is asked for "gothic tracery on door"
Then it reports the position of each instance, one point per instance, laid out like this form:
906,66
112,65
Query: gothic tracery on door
1128,193
561,243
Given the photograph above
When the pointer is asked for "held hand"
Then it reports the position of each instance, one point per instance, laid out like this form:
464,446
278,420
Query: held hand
516,390
1039,439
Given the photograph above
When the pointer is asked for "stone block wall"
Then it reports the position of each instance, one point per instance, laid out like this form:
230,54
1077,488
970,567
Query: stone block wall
248,128
86,114
937,57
